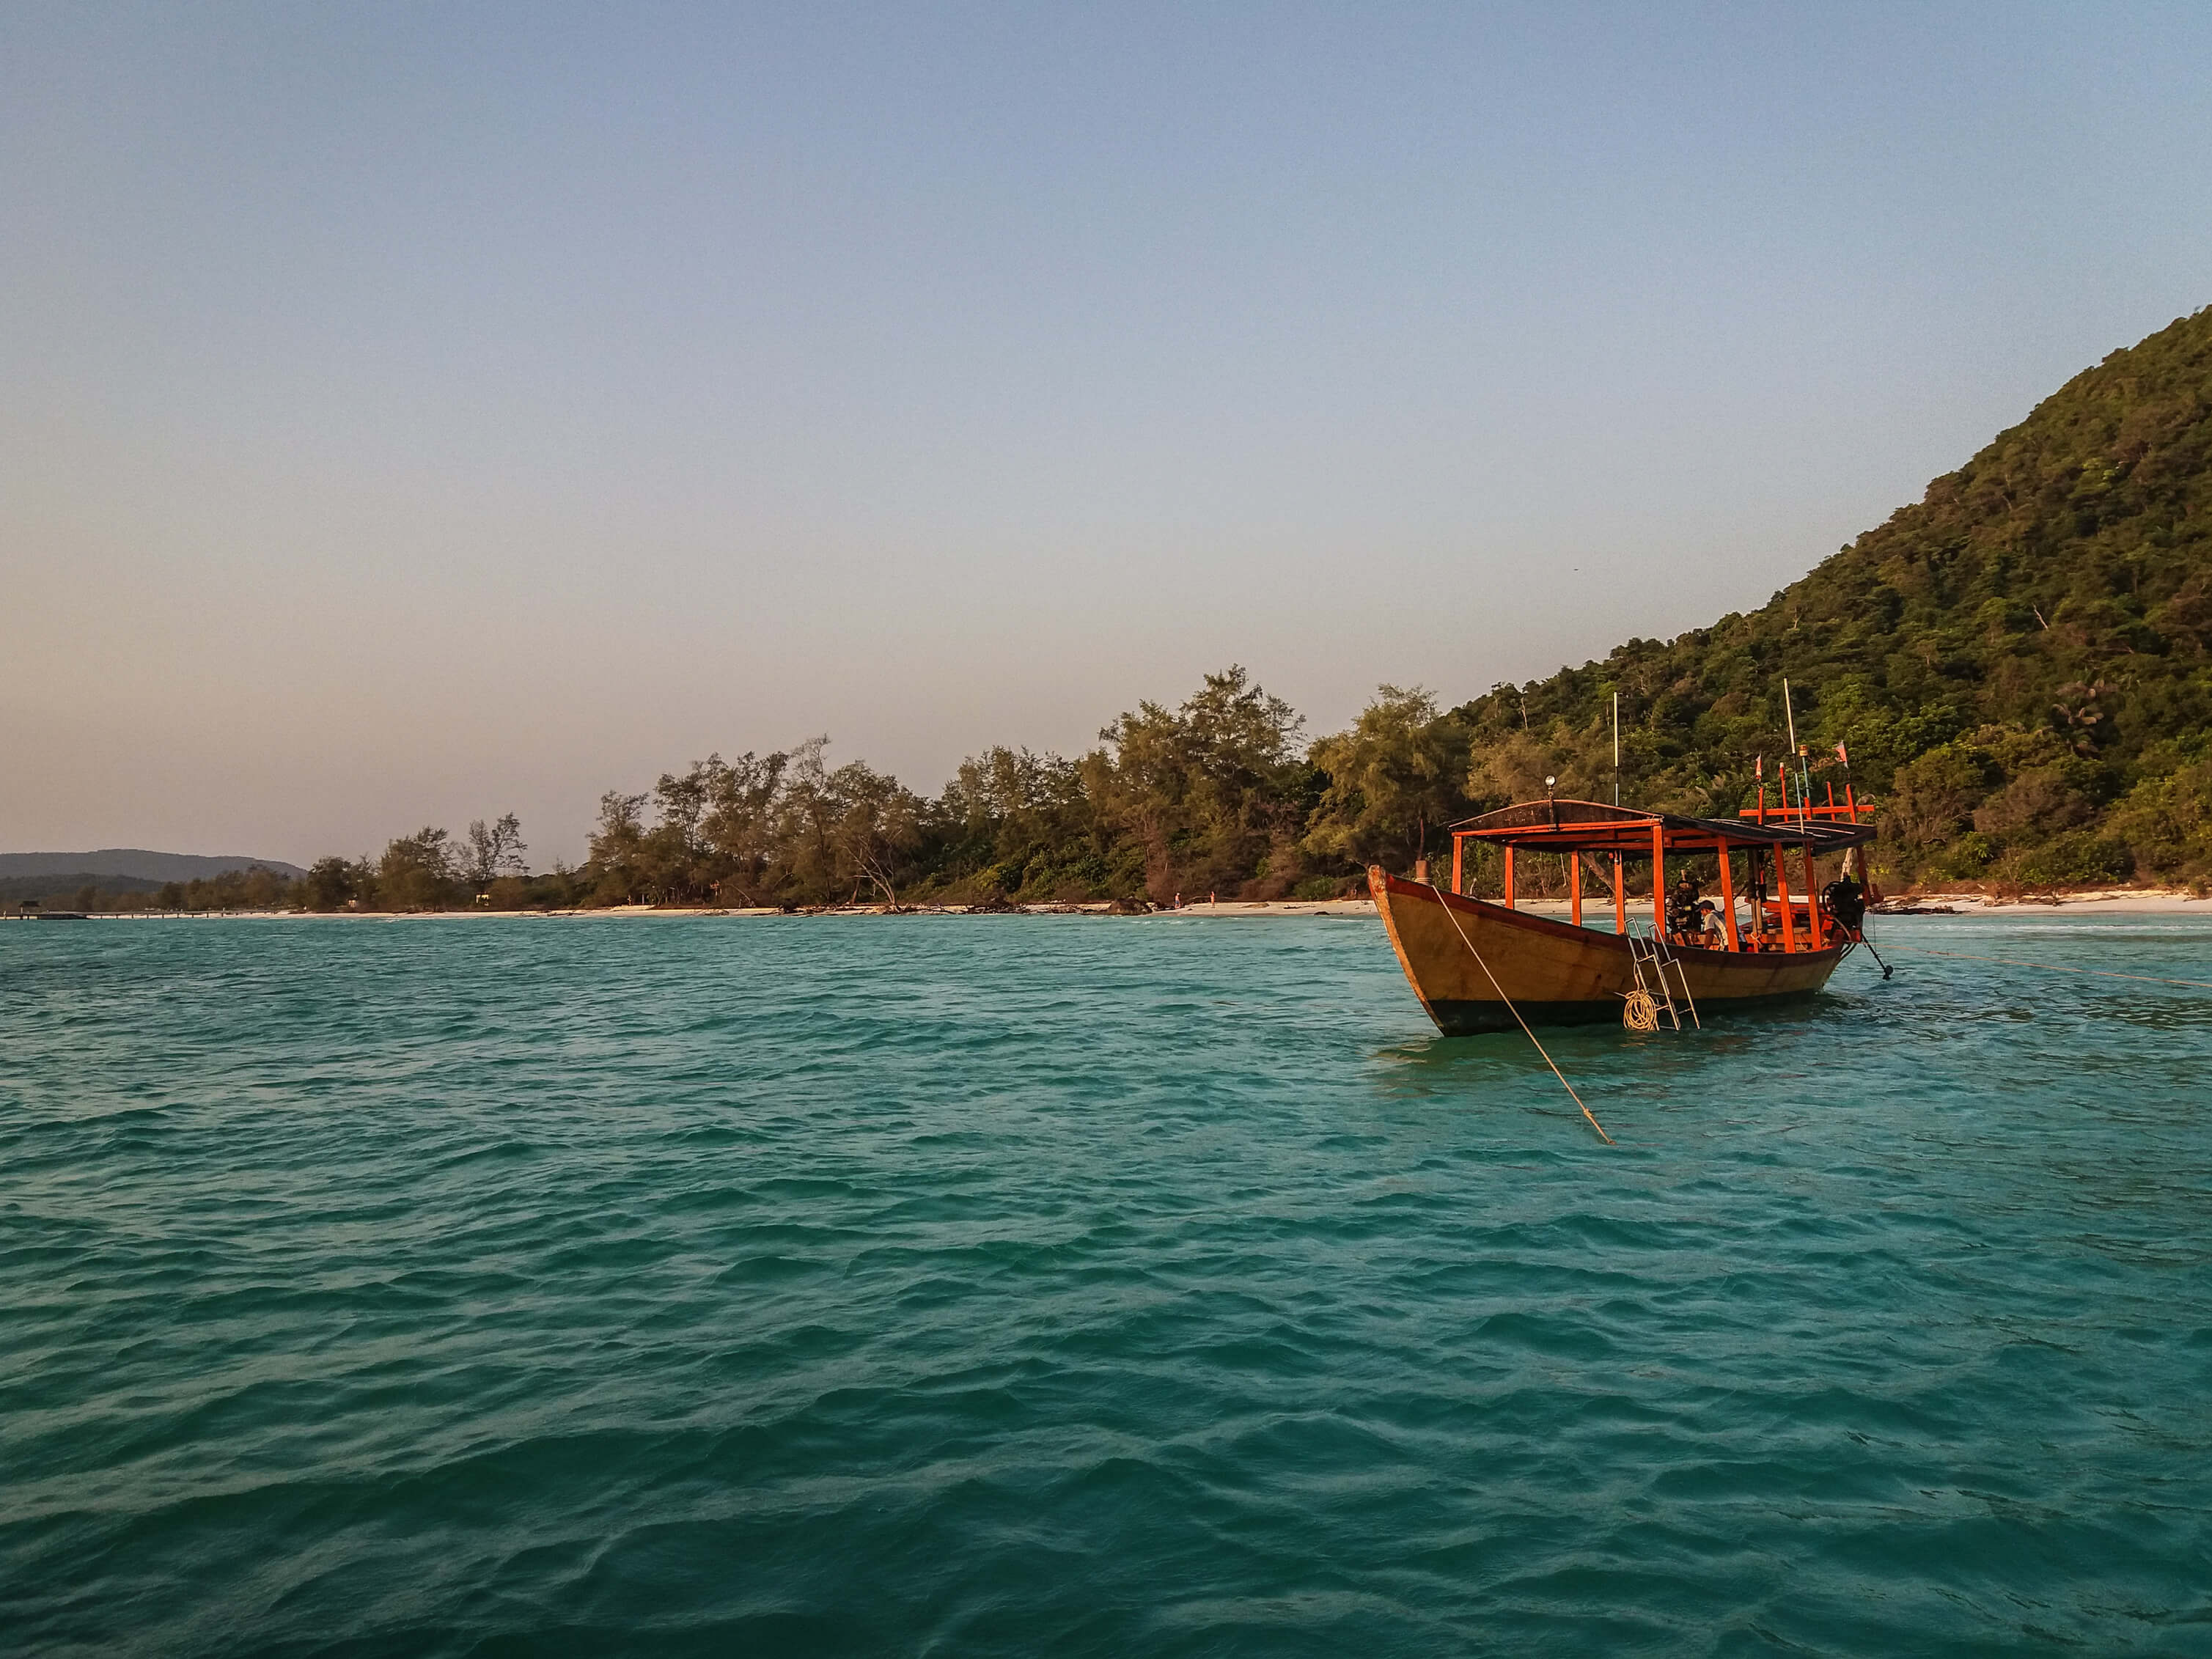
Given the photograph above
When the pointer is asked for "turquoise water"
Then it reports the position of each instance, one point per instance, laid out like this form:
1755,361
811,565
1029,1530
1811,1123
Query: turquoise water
1011,1286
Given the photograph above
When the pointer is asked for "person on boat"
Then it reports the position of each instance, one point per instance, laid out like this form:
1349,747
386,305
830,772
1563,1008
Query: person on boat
1683,920
1845,899
1710,931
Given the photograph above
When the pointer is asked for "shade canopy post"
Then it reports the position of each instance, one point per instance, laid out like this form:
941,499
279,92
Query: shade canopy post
1782,892
1619,898
1728,897
1459,852
1509,876
1658,879
1812,898
1575,888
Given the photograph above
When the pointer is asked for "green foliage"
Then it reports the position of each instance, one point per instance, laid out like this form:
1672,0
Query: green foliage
489,854
334,884
418,871
2166,822
253,888
1393,778
1214,794
1014,824
61,892
785,829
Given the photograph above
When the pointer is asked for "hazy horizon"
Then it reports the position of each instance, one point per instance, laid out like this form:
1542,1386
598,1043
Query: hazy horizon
420,415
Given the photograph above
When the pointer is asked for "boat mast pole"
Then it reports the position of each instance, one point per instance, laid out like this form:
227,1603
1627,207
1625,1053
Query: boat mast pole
1790,714
1805,817
1619,902
1804,773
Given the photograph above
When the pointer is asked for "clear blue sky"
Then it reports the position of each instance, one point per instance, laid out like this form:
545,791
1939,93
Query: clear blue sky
418,412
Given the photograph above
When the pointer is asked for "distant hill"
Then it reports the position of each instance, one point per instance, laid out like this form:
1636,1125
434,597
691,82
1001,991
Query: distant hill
136,862
2018,664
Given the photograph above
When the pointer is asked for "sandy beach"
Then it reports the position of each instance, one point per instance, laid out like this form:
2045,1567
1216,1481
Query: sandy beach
2101,902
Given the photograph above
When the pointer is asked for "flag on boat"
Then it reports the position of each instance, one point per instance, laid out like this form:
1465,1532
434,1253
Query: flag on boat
1843,755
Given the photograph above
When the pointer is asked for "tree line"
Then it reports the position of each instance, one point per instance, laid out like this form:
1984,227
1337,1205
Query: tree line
1217,795
2018,668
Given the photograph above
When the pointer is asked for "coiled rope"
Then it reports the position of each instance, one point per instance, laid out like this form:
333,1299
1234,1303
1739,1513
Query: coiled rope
2054,968
1640,1012
1515,1012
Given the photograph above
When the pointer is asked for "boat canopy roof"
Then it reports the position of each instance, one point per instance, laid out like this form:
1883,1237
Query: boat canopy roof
1589,826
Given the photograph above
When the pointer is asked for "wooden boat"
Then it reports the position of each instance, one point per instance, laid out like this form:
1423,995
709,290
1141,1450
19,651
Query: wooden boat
1475,964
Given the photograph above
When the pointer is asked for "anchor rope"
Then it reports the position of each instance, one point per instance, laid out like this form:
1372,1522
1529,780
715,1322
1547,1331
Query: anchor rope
2054,968
1515,1012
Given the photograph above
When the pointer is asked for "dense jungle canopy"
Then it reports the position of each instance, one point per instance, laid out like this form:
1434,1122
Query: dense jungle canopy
2015,666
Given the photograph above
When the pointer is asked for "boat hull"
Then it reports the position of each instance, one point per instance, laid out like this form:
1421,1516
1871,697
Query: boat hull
1555,974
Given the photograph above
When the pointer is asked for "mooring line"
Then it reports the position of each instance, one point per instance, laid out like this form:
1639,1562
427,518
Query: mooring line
2053,967
1515,1012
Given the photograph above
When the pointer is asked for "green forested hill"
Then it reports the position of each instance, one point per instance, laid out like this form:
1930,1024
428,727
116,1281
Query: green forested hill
2017,663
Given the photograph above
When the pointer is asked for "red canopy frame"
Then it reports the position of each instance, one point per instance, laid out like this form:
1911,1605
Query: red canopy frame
1574,828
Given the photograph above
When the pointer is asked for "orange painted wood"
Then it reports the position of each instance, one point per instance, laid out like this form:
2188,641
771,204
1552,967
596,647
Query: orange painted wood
1782,892
1658,879
1727,899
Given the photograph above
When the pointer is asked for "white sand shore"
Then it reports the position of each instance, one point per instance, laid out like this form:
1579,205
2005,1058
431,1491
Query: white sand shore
1231,908
2110,901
